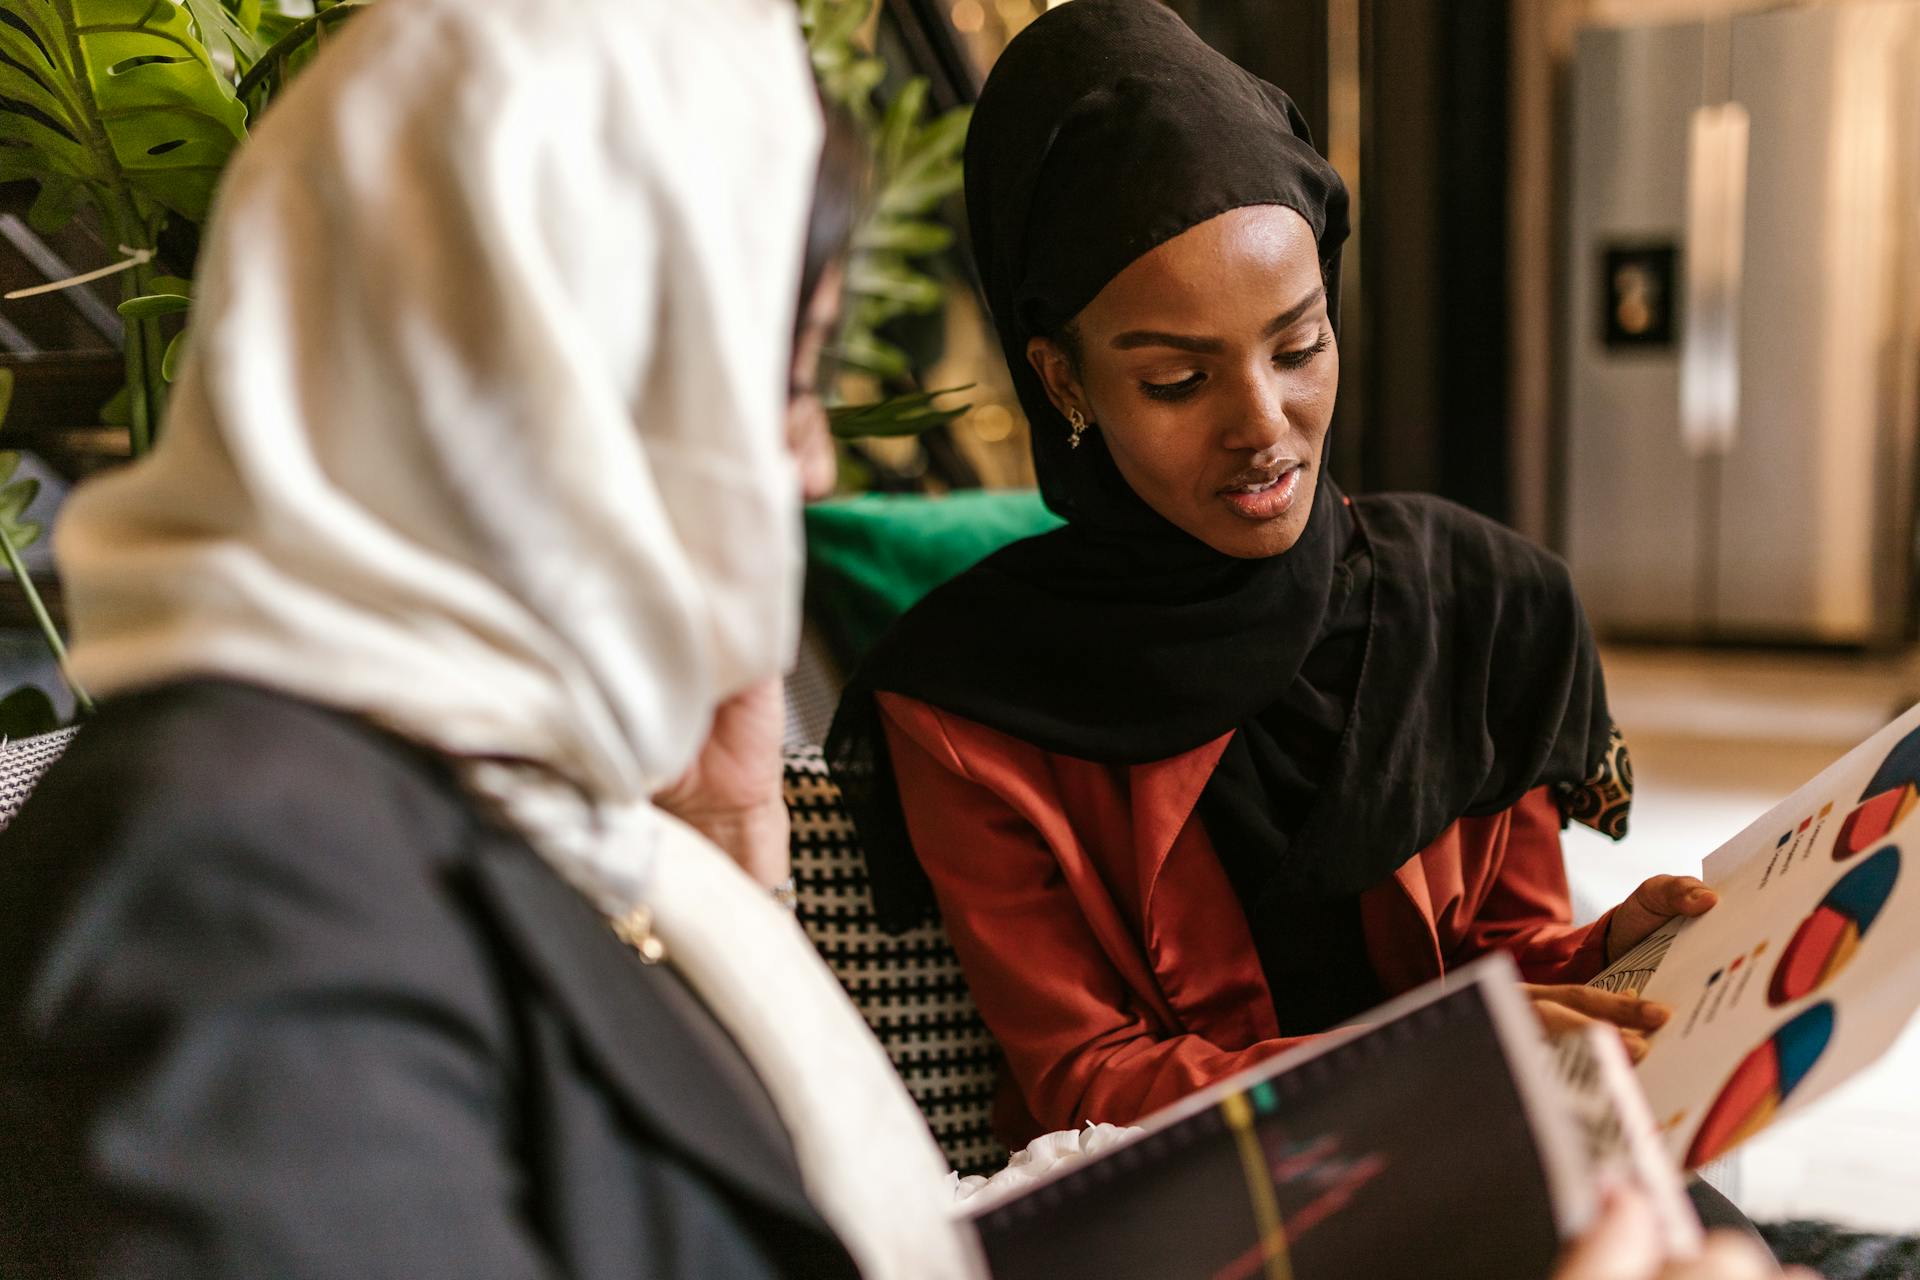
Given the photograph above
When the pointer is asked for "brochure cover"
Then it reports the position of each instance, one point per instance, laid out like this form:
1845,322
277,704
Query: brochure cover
1442,1132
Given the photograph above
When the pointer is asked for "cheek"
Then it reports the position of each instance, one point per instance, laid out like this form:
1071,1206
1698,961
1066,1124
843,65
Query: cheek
1316,397
1162,448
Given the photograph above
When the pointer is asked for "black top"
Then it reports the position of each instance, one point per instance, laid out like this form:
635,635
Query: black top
1453,675
276,1001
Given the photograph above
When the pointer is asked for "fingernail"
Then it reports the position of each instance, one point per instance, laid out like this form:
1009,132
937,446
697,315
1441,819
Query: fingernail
1655,1014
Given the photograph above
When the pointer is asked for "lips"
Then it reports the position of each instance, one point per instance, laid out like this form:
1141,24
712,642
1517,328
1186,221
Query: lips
1264,497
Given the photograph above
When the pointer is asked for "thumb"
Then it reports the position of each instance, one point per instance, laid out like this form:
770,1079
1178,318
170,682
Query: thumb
1665,896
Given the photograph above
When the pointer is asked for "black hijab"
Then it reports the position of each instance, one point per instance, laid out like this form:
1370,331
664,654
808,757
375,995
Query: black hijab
1403,665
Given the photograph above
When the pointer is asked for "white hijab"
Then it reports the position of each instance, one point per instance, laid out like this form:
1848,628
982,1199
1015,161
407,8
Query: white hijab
480,436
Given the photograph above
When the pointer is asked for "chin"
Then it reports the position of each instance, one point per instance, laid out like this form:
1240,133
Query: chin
1255,542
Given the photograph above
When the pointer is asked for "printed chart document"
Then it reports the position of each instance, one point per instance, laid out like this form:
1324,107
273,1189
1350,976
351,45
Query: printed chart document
1808,968
1444,1139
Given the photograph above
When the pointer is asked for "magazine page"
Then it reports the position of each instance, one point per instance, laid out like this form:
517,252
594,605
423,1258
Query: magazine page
1806,971
1434,1138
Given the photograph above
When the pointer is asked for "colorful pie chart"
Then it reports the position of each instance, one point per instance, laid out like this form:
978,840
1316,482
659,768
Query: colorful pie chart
1885,802
1827,939
1763,1081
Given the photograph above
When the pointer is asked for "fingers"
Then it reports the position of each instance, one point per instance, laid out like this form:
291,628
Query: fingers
1607,1006
1623,1245
1556,1018
1626,1244
1666,896
1727,1255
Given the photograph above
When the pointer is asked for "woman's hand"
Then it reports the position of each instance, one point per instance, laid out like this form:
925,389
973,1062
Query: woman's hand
1652,905
1568,1008
1625,1244
732,793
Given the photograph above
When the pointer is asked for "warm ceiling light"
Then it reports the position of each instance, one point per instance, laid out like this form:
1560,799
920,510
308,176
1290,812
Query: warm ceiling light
968,17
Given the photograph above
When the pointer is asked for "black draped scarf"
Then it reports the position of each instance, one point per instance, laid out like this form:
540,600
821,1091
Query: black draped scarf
1403,665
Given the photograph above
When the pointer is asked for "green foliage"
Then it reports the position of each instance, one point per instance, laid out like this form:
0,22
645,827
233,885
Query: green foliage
118,105
15,497
118,101
151,306
170,362
228,31
903,415
130,107
916,169
847,73
291,43
17,533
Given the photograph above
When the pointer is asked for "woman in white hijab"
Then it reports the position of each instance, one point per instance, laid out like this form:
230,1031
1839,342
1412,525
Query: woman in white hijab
472,507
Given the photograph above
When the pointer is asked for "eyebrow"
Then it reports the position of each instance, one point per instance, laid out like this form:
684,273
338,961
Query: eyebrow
1135,338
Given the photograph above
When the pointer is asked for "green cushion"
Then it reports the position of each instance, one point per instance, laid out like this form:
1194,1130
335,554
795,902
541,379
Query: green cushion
871,557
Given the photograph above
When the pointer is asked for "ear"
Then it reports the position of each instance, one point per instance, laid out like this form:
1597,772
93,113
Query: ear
1049,360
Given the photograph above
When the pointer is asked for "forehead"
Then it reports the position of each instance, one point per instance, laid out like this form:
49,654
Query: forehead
1243,266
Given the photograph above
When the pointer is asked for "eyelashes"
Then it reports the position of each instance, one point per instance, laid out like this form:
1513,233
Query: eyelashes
1297,359
1304,356
1173,390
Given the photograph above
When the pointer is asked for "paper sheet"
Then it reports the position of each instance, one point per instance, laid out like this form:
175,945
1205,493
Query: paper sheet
1809,967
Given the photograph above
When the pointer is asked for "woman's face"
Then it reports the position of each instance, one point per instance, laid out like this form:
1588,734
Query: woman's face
1209,366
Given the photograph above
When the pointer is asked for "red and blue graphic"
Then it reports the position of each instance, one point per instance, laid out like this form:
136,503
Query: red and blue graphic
1762,1082
1885,803
1828,939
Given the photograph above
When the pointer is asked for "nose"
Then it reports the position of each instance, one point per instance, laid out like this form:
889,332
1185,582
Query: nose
1258,421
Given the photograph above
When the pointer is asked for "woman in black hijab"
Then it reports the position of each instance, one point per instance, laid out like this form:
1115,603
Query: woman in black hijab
1230,757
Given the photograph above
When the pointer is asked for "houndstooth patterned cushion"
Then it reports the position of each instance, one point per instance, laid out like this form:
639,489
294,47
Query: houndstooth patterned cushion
22,761
907,986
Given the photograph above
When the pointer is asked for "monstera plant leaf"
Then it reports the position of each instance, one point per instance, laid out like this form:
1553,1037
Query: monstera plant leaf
231,31
118,97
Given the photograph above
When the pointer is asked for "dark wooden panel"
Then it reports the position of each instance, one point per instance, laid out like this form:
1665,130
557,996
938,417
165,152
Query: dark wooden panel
56,410
1434,164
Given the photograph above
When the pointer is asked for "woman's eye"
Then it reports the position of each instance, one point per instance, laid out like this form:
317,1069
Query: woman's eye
1173,390
1304,356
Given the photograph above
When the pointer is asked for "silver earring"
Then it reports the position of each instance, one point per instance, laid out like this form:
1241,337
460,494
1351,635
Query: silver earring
1077,424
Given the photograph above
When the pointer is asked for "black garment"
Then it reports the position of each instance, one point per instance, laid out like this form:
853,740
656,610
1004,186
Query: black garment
1465,678
1312,947
276,1001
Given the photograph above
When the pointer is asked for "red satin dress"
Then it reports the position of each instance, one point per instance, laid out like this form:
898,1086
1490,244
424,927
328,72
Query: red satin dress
1106,948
